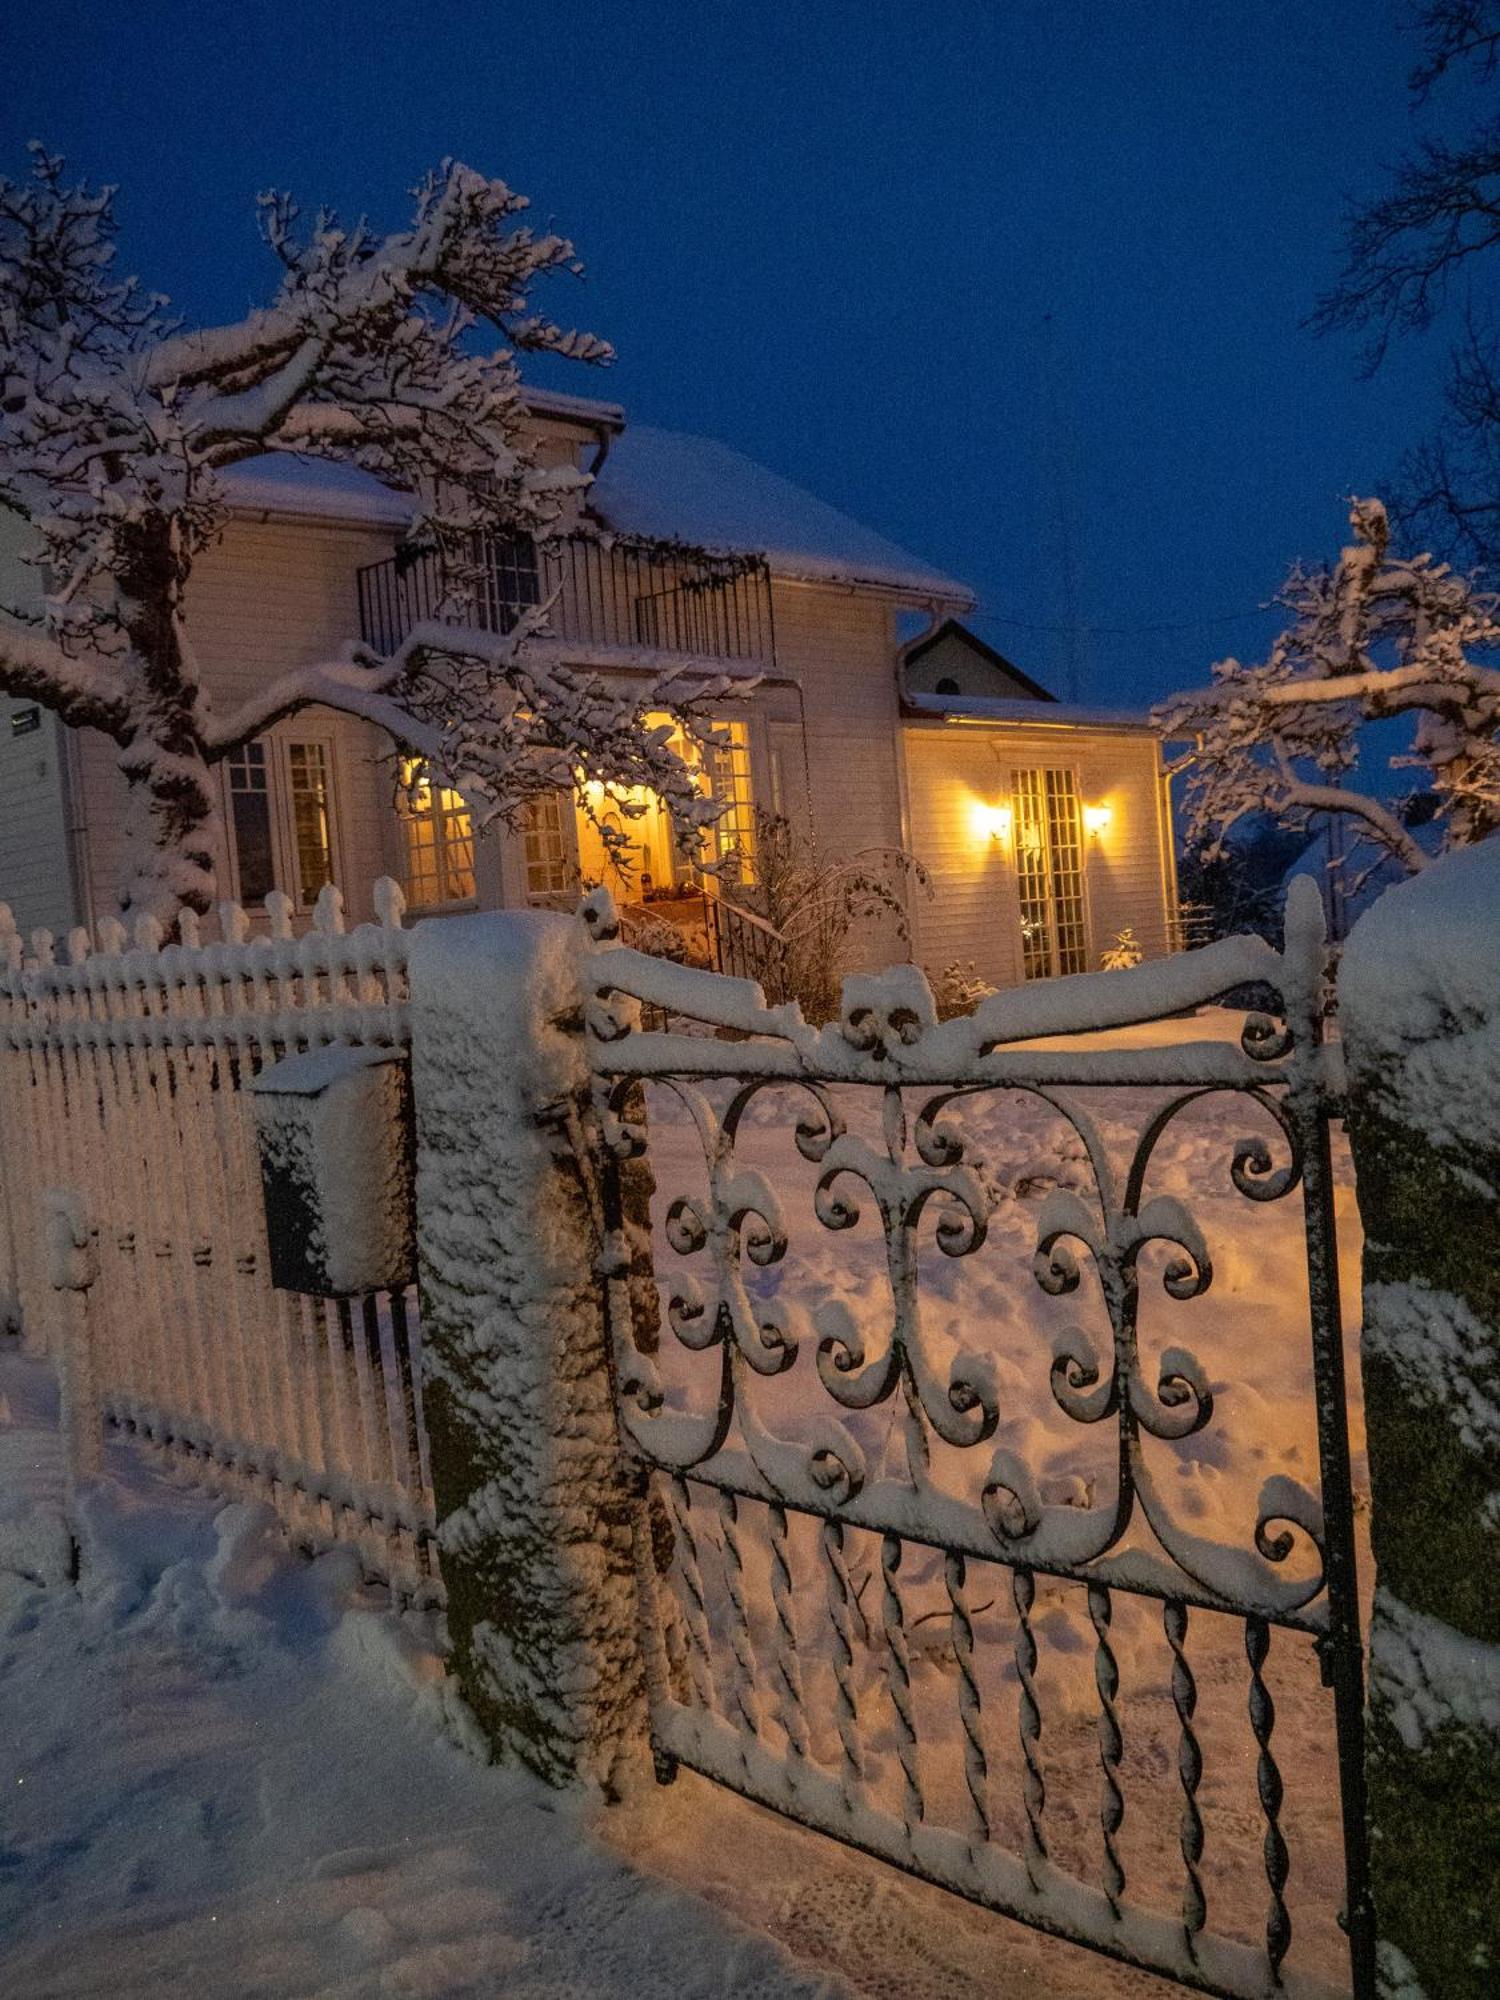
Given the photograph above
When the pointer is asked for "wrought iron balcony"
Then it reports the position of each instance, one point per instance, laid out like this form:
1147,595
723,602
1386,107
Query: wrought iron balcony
607,592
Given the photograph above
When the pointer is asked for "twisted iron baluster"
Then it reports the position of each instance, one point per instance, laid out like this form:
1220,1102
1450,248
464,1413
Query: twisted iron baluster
1189,1770
976,1765
1023,1588
851,1776
1268,1784
898,1661
788,1675
699,1651
746,1705
1111,1742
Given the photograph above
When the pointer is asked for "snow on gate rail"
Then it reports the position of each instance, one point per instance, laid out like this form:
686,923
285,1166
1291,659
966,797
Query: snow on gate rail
840,1456
121,1077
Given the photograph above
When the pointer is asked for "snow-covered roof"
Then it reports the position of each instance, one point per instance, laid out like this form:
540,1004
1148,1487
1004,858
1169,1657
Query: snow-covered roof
279,483
585,409
669,486
659,484
1041,714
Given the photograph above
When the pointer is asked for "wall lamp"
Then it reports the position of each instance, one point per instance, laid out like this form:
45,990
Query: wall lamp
994,822
1096,820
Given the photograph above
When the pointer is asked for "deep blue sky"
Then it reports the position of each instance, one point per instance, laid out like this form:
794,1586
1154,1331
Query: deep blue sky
833,234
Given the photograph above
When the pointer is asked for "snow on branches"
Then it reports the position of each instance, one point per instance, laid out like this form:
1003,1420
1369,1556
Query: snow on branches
1376,636
116,422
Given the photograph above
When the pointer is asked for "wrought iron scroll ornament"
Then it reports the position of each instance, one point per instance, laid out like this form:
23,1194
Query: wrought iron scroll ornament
889,1038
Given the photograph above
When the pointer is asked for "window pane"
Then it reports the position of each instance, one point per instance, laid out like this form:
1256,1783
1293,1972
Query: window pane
544,834
1049,872
728,766
312,804
250,817
439,835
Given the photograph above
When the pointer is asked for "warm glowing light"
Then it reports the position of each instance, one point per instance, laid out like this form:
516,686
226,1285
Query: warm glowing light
992,822
1096,819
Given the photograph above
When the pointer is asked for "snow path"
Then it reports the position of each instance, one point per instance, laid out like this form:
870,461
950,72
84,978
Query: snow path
227,1771
224,1771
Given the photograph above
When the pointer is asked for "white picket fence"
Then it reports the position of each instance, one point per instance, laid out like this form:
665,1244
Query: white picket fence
121,1080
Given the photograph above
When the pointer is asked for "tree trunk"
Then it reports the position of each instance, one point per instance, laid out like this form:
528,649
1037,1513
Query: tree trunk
173,839
172,821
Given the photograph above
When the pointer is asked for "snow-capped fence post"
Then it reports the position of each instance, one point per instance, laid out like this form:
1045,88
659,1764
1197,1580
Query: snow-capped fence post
1421,1018
73,1268
533,1500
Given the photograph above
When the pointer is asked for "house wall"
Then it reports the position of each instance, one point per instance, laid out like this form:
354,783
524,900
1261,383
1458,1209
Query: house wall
36,879
974,911
271,595
839,646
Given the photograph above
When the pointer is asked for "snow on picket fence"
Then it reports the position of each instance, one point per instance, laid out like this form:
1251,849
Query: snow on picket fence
122,1062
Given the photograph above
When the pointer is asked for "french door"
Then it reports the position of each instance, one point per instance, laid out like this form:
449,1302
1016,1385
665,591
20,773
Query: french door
1049,872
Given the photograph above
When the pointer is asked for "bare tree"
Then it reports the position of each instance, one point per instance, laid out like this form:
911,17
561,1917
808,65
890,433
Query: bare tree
1416,251
116,423
1375,637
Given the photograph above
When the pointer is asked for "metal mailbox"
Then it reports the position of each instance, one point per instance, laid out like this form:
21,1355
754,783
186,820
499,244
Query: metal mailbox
337,1162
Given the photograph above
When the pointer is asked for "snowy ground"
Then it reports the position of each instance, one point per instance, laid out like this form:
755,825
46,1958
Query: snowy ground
227,1771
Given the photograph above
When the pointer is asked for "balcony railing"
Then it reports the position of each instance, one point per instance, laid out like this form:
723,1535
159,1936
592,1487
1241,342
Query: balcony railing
606,592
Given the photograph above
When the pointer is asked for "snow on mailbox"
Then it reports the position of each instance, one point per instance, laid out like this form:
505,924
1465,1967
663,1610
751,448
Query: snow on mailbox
337,1170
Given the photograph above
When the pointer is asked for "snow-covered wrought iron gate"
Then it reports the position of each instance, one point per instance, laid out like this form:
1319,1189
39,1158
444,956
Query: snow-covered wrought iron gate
833,1477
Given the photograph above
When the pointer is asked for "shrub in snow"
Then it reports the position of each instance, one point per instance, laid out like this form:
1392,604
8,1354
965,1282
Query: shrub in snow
1421,1015
959,988
117,422
1377,636
822,909
1123,953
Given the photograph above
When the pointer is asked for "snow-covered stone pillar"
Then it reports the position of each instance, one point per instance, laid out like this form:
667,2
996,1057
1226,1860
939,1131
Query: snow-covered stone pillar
1420,994
534,1505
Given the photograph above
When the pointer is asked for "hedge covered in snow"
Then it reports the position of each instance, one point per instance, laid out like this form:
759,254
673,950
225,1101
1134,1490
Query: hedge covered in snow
1420,997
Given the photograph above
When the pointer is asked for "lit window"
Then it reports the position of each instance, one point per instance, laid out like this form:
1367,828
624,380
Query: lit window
312,825
548,864
439,834
1049,869
250,817
727,767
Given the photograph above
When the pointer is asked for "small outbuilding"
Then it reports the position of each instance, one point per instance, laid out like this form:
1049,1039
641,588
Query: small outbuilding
1045,828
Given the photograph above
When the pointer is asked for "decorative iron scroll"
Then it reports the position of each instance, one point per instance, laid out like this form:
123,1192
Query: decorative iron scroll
732,1049
753,1622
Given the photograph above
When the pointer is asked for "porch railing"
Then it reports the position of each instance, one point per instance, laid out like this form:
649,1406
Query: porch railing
604,591
745,946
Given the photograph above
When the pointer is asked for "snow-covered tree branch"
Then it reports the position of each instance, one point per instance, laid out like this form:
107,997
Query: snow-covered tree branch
116,422
1419,248
1377,636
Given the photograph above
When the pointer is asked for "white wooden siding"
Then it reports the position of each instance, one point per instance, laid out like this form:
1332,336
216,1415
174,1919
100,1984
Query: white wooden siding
956,770
839,646
270,596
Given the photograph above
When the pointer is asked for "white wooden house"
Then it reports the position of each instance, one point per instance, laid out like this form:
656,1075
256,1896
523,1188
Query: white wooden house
1045,828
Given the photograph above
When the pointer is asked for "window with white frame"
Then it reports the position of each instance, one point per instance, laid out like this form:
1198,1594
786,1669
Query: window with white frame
282,818
1048,835
726,765
438,834
544,835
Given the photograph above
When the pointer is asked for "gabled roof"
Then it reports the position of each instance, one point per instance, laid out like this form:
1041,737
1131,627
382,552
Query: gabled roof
657,484
951,628
667,486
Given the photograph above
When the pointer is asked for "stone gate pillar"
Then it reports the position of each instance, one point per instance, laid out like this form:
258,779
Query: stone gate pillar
534,1507
1420,1001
